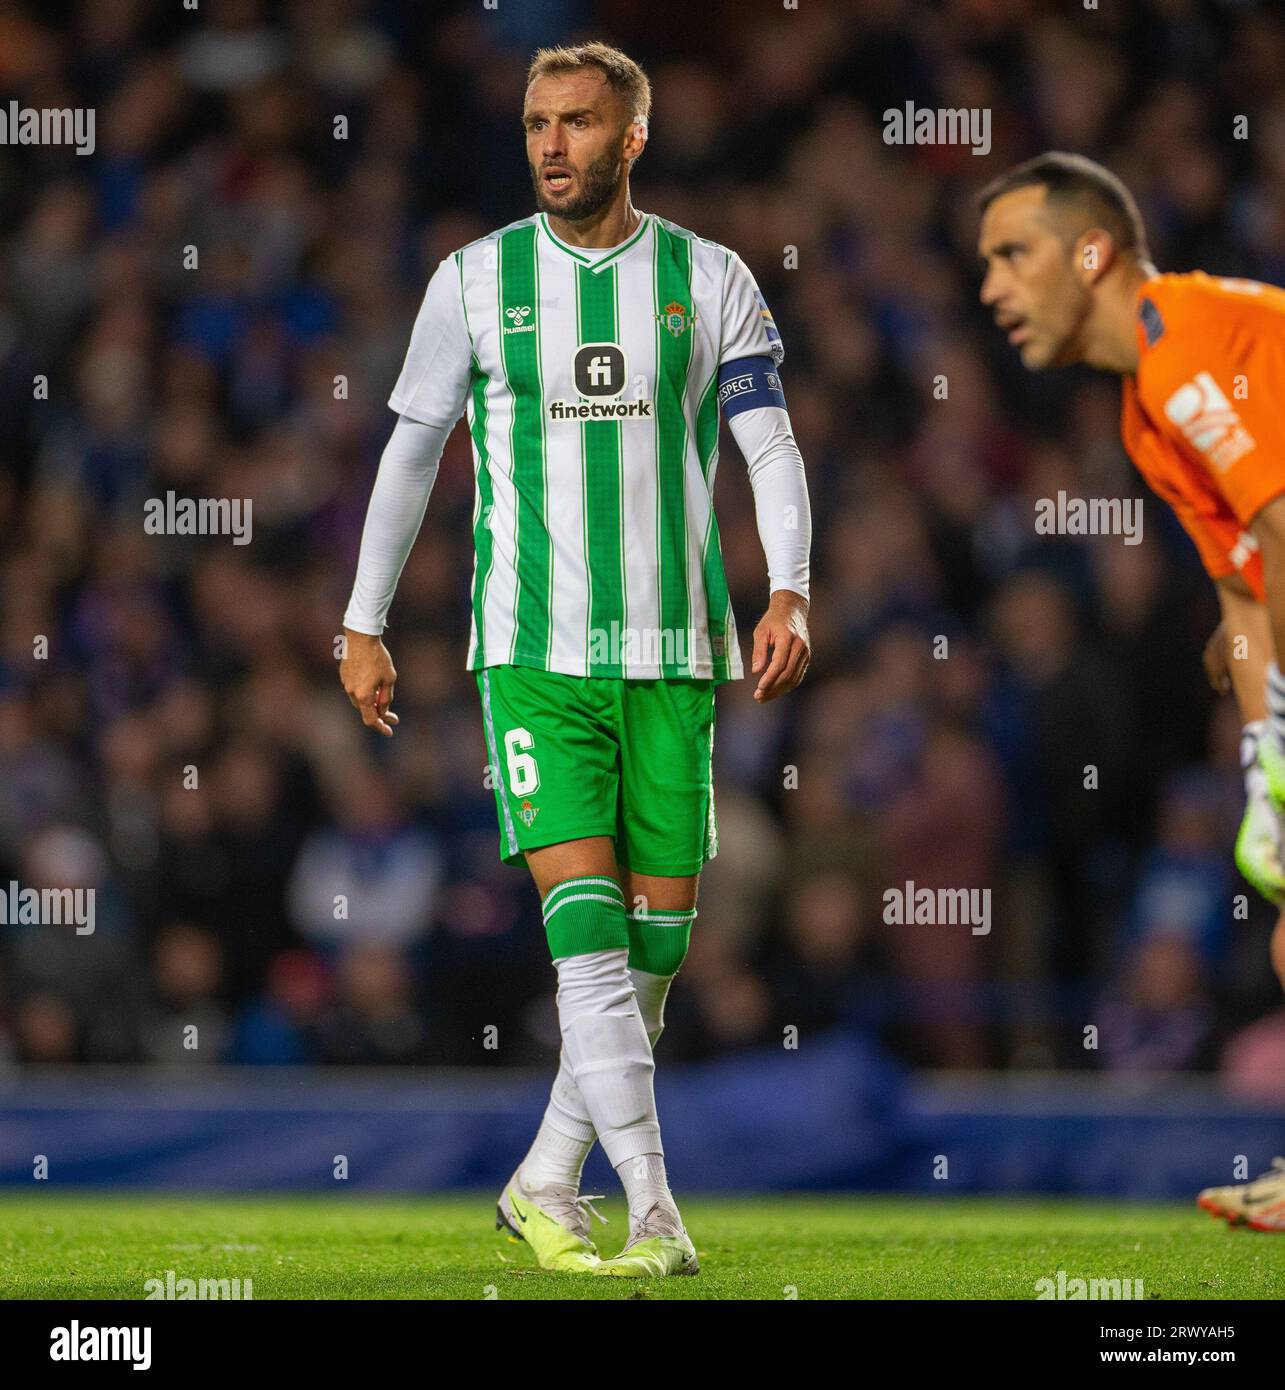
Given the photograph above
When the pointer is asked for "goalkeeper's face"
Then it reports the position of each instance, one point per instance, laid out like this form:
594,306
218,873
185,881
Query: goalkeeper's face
1034,286
580,142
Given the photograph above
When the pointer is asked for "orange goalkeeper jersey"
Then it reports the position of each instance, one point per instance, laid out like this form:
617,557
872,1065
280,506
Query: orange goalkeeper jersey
1202,419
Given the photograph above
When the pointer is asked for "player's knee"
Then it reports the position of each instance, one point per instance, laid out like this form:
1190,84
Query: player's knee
594,982
658,942
585,917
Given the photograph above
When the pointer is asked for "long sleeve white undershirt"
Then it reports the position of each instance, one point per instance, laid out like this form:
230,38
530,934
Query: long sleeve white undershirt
780,489
408,469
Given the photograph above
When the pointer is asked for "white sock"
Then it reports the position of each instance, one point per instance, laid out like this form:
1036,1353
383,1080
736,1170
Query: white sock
555,1159
566,1133
646,1184
606,1047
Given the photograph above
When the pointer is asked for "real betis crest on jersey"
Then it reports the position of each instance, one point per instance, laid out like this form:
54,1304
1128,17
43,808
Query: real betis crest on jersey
676,318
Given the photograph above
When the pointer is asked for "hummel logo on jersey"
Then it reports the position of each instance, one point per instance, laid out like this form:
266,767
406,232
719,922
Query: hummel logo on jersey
1208,421
518,317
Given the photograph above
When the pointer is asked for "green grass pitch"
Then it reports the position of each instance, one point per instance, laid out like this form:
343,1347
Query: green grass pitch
841,1246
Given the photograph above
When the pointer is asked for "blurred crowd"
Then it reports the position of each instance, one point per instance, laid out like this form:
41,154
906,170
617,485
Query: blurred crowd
183,745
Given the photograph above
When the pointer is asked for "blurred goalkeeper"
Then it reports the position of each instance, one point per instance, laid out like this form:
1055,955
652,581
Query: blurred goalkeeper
1069,279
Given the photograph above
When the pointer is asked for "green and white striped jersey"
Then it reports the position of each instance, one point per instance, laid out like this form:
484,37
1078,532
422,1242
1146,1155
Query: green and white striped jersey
590,381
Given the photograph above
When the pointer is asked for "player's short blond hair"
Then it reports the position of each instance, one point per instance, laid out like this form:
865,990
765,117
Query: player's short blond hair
621,72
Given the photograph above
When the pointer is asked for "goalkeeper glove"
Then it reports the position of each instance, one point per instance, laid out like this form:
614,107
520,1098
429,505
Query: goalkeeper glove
1258,843
1271,742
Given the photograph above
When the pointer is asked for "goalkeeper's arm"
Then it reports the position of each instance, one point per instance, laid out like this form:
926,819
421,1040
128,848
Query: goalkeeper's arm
1242,649
1240,656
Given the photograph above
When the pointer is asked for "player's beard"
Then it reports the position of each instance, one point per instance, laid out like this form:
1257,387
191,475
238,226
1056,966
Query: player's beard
599,183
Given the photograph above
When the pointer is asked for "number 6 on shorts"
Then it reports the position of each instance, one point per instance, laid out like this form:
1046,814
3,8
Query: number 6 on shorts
524,776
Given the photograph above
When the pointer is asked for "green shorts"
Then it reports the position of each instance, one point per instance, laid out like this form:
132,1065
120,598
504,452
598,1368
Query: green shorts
576,756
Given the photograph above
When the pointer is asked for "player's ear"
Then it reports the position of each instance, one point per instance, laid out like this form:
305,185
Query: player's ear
635,138
1094,255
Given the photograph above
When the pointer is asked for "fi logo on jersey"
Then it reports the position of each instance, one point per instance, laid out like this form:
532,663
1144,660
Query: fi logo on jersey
599,369
599,372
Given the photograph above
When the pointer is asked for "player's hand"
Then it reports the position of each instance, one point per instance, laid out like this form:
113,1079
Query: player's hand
1215,658
367,674
782,648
